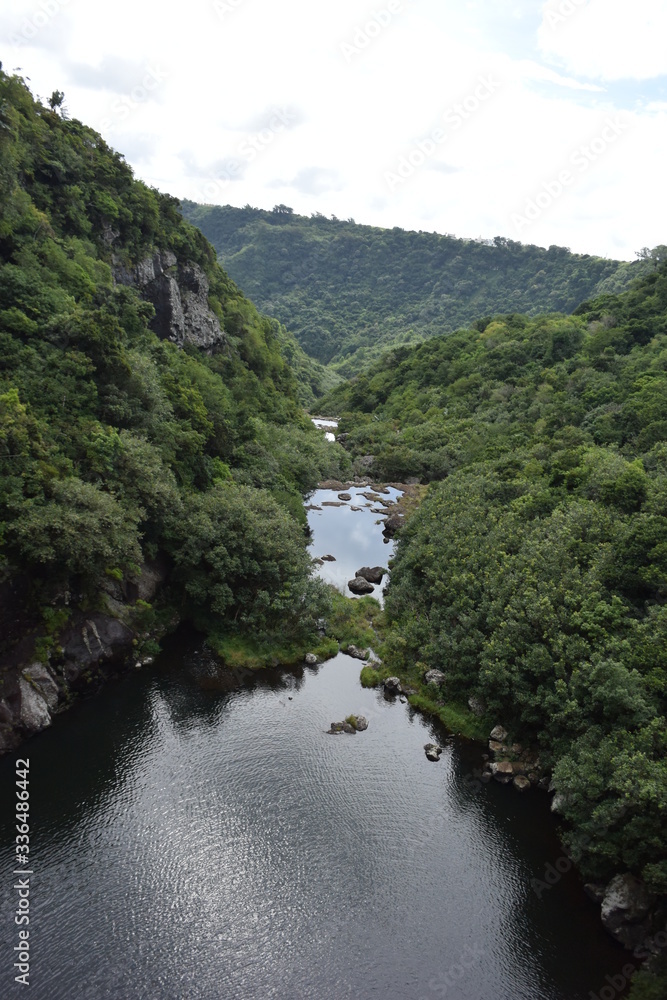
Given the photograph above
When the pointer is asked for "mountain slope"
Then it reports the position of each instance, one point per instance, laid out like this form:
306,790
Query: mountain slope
347,291
149,423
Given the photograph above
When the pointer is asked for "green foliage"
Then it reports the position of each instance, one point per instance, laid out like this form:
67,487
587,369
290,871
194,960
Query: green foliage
348,292
116,446
534,573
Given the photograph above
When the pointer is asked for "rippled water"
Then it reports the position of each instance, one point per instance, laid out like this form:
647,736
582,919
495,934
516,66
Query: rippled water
207,845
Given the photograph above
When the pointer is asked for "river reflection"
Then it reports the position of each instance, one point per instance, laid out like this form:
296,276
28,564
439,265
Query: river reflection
199,844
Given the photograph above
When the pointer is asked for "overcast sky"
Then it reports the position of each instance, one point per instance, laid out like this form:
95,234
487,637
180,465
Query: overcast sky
541,122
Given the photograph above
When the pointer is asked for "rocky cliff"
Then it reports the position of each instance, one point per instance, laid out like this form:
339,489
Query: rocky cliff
179,295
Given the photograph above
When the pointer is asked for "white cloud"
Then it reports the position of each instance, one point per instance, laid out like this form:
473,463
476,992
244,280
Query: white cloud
606,39
194,97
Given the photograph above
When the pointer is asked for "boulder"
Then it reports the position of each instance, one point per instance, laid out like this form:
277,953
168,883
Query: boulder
373,574
433,751
345,496
626,906
498,734
434,677
392,524
360,586
503,770
496,747
353,724
358,654
311,659
392,685
340,727
521,784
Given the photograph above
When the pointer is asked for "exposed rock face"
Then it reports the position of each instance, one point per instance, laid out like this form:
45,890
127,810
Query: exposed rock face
34,715
373,574
360,586
179,295
625,910
44,683
97,639
435,677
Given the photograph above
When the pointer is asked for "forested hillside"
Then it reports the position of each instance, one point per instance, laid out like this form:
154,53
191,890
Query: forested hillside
534,574
146,408
348,292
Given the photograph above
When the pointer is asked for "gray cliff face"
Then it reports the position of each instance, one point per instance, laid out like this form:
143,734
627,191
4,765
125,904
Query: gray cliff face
179,294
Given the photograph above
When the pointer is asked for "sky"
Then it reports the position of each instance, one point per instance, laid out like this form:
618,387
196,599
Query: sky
540,122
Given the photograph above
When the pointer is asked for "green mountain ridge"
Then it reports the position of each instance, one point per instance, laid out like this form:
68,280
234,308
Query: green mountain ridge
348,292
118,446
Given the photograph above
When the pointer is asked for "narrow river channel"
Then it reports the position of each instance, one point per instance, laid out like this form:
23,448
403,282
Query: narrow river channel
200,844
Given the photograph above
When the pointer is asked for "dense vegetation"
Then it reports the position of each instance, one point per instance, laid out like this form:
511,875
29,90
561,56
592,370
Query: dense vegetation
115,445
534,574
349,292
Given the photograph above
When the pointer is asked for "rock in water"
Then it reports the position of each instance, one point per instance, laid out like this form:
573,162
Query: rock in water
328,559
311,659
433,751
521,784
360,586
358,654
373,574
392,685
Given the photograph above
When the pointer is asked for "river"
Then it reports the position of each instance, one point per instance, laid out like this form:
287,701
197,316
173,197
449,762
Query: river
198,844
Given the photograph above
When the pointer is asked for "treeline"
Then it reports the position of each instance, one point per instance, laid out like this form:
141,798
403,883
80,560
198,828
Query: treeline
349,292
116,446
534,574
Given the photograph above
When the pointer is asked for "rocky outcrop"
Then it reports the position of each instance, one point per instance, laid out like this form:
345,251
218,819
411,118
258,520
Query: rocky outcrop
626,909
353,724
179,295
360,586
94,640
